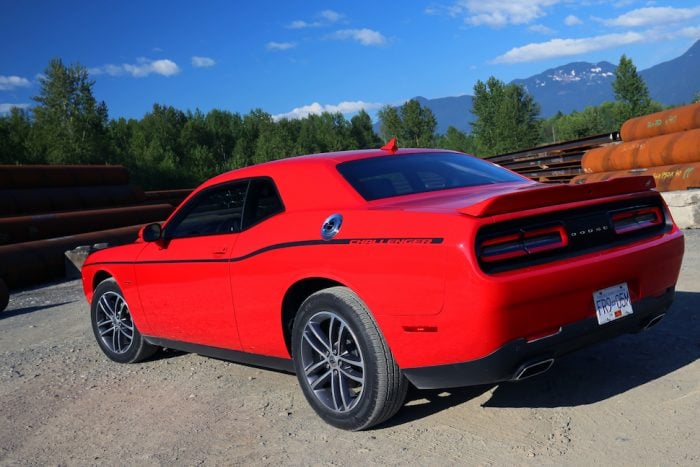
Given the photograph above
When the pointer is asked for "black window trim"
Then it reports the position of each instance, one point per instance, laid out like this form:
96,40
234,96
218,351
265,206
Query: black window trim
186,209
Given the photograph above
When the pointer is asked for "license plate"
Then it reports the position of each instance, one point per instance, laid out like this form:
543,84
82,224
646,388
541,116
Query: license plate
612,303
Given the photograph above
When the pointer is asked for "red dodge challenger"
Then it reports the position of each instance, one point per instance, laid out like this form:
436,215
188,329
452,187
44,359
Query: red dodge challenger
362,271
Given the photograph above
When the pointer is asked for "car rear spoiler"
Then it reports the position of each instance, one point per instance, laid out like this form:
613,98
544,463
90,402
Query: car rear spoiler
540,195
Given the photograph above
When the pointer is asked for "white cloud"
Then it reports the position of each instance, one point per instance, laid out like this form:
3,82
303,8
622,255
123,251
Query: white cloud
653,16
5,108
280,46
541,29
327,18
8,83
572,20
498,13
556,48
363,36
317,109
331,16
202,62
142,68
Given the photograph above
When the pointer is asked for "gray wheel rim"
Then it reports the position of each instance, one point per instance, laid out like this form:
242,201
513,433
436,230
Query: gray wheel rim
332,361
114,325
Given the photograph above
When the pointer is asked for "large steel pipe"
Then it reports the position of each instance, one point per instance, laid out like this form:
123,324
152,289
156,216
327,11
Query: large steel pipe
668,177
29,263
676,148
48,176
666,122
37,227
20,201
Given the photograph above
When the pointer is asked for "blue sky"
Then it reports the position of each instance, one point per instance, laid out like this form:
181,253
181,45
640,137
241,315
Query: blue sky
290,58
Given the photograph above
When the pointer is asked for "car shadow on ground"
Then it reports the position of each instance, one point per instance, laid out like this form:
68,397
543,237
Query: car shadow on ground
589,375
31,309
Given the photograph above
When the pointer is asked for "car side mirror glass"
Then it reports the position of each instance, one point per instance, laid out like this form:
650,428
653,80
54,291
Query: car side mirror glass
151,233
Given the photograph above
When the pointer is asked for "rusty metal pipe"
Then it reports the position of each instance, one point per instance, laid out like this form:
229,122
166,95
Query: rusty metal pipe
666,122
47,176
668,177
42,226
21,201
677,148
34,262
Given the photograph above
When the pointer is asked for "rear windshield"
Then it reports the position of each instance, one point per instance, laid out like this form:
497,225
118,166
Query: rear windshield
387,176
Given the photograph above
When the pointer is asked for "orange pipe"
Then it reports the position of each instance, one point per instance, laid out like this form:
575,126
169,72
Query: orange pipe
666,122
677,148
668,177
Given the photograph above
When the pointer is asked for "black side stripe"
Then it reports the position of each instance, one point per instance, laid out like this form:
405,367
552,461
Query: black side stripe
279,246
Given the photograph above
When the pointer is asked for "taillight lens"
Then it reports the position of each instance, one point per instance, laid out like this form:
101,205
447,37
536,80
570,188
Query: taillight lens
636,219
523,243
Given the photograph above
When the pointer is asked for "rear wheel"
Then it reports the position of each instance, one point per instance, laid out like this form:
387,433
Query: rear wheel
114,328
343,364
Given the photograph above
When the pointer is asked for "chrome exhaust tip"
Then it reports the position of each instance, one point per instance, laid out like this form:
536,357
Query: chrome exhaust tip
654,321
533,369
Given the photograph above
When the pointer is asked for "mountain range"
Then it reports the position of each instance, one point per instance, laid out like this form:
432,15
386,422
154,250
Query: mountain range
577,85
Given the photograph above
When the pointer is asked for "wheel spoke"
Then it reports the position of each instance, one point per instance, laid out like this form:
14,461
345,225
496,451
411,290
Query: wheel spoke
315,366
106,308
320,379
103,322
313,340
336,390
115,341
106,331
348,372
351,360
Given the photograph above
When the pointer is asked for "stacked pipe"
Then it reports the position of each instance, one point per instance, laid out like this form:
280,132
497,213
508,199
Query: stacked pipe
46,210
665,145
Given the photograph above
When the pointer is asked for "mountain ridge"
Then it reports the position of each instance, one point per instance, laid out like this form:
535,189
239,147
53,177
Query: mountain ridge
577,85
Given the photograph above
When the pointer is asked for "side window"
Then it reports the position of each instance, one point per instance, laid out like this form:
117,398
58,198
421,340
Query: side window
216,211
263,202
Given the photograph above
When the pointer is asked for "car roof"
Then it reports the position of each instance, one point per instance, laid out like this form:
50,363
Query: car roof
312,181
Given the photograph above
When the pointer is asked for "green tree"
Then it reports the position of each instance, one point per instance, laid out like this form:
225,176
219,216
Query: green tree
362,132
696,98
15,129
70,126
630,89
412,124
457,141
506,117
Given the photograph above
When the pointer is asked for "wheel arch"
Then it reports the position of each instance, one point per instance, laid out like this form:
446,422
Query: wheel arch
295,296
99,277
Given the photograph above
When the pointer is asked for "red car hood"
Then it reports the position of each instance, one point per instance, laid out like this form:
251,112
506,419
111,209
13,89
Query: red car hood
488,200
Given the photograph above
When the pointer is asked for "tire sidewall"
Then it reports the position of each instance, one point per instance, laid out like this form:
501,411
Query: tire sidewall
357,417
110,285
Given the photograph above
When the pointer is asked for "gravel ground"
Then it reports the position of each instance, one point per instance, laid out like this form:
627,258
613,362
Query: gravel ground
631,401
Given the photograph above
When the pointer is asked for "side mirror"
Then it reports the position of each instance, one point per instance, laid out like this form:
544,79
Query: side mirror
151,233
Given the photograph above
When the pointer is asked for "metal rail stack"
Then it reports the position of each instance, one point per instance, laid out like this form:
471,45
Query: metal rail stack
46,210
553,163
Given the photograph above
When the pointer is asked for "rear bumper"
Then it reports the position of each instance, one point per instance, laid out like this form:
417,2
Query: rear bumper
507,362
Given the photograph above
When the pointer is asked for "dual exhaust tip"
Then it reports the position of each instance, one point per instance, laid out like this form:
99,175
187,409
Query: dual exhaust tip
538,367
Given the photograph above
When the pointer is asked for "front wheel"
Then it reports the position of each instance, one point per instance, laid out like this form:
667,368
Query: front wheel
343,364
114,328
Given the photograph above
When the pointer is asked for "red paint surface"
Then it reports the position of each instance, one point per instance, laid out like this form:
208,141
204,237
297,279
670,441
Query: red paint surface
407,285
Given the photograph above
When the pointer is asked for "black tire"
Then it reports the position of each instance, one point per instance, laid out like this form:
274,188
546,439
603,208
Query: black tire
115,332
344,367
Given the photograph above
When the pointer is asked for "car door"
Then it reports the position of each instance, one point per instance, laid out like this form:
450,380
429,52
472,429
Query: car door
183,279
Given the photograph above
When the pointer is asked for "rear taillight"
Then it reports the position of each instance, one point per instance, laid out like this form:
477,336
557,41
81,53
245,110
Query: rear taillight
632,220
523,243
